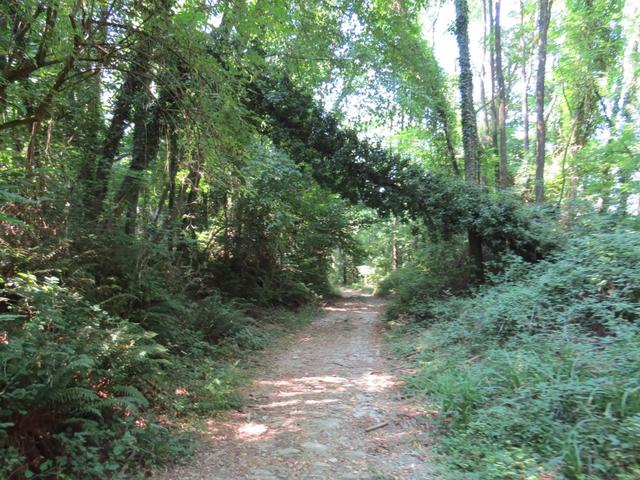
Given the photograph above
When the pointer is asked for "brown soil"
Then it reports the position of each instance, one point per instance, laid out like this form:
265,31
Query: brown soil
309,409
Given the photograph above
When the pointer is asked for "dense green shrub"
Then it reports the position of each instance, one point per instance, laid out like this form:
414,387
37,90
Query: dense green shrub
439,269
82,387
218,320
593,282
72,378
539,372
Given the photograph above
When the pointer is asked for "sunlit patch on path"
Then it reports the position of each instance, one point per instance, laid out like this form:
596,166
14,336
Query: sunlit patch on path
327,406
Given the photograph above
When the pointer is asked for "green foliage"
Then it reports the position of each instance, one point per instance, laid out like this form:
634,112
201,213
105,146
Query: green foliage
173,167
205,379
591,282
220,321
537,374
72,380
608,171
438,269
279,252
202,386
82,387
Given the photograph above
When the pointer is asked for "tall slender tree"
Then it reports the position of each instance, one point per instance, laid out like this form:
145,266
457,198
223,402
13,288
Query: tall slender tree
492,70
503,177
469,126
525,81
484,103
544,17
467,109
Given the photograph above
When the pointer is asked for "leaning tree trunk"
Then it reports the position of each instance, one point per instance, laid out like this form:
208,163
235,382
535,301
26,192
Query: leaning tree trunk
544,18
469,126
133,91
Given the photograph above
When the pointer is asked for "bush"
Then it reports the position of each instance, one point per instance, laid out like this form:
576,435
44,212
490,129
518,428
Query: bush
593,282
73,378
538,373
440,269
218,320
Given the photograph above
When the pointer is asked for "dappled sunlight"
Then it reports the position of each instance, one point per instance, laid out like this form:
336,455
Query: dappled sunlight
328,396
325,379
277,412
375,382
297,412
218,430
291,425
304,380
243,429
321,402
275,383
294,393
352,308
251,430
284,413
307,385
350,293
286,403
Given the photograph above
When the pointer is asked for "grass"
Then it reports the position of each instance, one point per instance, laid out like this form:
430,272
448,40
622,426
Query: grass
537,375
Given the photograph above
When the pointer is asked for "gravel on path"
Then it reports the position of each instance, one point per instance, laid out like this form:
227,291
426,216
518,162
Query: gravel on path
307,412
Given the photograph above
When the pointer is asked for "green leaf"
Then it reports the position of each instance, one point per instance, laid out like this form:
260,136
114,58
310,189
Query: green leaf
12,220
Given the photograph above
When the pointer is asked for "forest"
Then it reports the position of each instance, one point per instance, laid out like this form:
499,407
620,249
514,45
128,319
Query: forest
184,182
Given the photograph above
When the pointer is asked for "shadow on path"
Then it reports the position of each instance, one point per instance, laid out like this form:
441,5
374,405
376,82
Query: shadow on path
308,411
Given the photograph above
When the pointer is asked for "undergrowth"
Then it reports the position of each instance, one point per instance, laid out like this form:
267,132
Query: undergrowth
537,375
87,393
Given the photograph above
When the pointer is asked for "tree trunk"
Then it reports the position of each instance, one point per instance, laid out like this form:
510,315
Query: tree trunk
485,114
502,104
90,122
173,172
395,257
525,84
492,70
475,252
133,92
629,75
451,151
469,126
468,114
192,183
133,85
345,270
483,76
544,17
146,141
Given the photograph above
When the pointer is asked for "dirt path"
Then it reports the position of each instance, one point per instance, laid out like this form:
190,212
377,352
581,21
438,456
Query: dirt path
309,409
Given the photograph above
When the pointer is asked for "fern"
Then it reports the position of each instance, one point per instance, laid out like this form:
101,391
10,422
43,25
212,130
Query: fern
73,398
131,395
65,375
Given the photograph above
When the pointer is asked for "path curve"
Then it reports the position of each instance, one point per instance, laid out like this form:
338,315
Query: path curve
308,410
